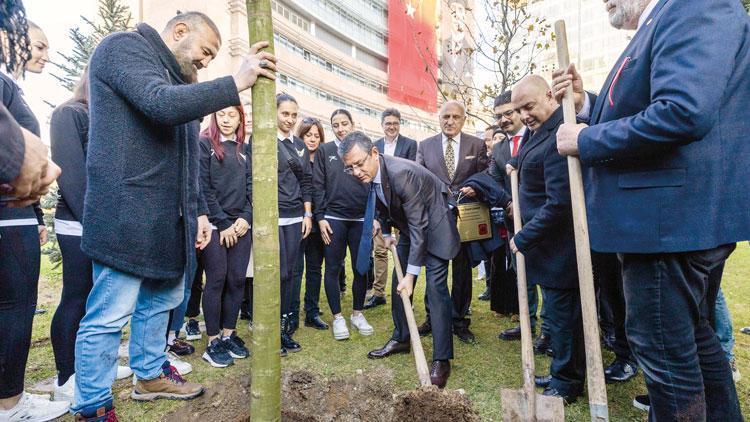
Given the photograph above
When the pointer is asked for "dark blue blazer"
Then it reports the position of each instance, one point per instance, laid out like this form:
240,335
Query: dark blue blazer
546,239
667,153
405,147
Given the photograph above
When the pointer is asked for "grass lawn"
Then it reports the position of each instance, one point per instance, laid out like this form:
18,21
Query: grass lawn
481,370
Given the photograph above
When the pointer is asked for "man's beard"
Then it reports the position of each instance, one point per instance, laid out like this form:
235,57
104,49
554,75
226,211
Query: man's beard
187,69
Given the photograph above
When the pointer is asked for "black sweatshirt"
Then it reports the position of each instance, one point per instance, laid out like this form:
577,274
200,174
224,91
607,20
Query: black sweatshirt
69,132
336,193
293,193
227,185
17,107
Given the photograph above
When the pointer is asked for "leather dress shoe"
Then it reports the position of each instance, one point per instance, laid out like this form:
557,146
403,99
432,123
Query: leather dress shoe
485,295
567,399
542,344
465,335
439,372
181,348
425,328
391,348
512,334
374,301
620,371
316,322
542,380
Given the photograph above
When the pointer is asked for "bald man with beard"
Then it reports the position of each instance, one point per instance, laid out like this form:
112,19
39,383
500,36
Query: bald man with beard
547,239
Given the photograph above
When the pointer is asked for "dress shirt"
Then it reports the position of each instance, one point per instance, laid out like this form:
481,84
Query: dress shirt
456,148
389,148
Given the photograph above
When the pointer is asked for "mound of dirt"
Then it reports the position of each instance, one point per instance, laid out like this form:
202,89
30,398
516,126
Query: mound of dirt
308,398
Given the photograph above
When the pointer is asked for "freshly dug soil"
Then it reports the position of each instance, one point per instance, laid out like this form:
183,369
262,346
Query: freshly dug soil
308,398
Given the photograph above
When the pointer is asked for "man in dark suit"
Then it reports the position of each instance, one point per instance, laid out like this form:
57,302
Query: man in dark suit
393,144
547,239
666,162
454,156
509,120
411,198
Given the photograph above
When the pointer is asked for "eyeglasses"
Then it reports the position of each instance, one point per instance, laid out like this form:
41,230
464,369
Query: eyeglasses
391,124
357,165
508,114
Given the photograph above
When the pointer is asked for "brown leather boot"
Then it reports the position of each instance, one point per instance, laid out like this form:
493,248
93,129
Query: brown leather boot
169,385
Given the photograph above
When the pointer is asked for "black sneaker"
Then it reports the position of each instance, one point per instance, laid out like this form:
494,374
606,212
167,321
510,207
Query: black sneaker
642,402
217,355
236,347
192,330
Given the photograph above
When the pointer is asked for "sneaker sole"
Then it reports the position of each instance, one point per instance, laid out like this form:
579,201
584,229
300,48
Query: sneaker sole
238,356
640,406
208,359
170,396
341,336
369,332
193,337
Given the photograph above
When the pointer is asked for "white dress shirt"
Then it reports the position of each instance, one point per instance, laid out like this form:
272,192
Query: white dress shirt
456,148
389,148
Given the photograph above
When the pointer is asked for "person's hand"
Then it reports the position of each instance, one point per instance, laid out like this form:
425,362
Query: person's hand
567,138
241,226
36,175
376,229
389,241
513,247
306,227
469,192
509,169
204,233
562,79
228,237
43,236
406,284
509,209
255,64
325,231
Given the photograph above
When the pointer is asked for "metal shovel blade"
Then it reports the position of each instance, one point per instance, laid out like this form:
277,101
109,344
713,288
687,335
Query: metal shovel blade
516,409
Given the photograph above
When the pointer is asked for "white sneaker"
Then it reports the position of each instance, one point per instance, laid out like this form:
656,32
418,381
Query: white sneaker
736,375
34,408
340,330
65,392
123,372
360,323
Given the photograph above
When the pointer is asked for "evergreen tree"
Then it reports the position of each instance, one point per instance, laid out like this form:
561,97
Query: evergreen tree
112,16
746,3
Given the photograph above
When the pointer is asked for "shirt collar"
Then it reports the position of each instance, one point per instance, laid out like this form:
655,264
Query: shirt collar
646,12
391,143
336,142
282,137
456,138
376,179
225,139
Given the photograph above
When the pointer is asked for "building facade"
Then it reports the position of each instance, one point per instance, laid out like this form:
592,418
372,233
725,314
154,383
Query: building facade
332,54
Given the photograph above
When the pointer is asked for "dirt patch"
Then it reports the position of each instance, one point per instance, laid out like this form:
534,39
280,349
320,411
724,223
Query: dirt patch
309,398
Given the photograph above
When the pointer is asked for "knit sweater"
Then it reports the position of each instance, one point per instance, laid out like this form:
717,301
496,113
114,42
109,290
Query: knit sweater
143,195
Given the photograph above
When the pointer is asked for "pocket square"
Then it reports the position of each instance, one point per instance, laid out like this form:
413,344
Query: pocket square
470,157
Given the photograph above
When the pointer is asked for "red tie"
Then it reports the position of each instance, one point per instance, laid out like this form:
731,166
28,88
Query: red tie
516,140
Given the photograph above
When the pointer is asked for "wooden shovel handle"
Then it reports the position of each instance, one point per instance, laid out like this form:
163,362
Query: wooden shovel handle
416,344
594,368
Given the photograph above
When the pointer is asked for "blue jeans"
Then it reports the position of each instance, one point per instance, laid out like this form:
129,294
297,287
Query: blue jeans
114,298
723,326
177,316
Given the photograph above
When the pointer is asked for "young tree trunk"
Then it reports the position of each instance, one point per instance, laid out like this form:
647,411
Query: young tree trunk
265,399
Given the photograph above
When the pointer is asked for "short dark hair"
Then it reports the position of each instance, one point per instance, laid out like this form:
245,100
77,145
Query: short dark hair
356,138
194,19
283,97
342,111
502,99
388,112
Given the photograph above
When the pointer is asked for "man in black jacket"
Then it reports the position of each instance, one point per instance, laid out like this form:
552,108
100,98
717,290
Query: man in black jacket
547,239
392,144
143,212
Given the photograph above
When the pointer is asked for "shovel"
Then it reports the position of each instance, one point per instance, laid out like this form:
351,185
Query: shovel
416,344
526,404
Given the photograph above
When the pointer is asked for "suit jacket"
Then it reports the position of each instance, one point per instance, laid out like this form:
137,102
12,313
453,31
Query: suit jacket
418,204
547,239
405,147
667,152
499,158
472,158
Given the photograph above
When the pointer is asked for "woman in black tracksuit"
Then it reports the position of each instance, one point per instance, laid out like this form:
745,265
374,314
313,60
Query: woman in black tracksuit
226,183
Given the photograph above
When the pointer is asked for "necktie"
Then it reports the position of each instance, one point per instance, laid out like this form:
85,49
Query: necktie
450,159
365,242
516,140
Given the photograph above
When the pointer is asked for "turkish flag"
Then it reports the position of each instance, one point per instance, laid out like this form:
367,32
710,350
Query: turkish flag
412,53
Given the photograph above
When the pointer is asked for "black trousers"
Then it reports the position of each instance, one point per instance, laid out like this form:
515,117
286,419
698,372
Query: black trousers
608,275
502,283
225,281
669,301
77,282
196,292
568,367
290,244
436,289
461,289
344,233
313,265
19,278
